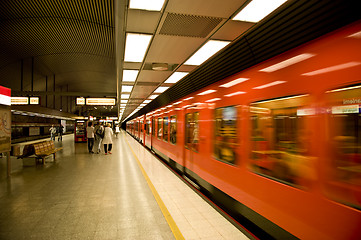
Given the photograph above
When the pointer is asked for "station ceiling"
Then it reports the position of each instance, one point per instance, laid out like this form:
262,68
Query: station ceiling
80,44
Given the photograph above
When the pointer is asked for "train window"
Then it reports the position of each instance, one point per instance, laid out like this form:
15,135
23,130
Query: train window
225,134
136,126
280,140
192,131
160,129
153,127
141,126
344,131
173,129
165,129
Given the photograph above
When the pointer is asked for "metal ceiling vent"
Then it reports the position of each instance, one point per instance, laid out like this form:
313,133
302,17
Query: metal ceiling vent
188,25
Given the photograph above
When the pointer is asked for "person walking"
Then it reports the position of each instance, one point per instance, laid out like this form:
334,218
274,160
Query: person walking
90,136
117,130
61,131
107,140
52,131
99,134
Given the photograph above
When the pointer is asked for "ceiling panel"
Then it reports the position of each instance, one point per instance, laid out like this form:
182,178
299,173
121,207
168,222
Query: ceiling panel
215,8
172,49
153,76
231,30
142,91
142,21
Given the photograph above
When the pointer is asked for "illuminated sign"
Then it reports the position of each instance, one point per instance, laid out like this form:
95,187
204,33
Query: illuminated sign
100,101
19,100
25,100
34,100
80,101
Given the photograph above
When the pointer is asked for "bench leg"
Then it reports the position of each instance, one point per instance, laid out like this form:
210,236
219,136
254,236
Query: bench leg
54,157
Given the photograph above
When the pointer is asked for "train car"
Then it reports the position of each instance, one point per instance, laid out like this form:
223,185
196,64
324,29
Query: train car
278,144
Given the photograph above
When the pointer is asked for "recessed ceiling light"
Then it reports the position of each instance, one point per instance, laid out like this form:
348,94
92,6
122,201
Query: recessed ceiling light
152,5
130,75
160,89
125,96
126,89
153,96
175,77
206,51
136,46
256,10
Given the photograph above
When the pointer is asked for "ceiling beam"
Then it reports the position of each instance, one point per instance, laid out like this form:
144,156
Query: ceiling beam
69,94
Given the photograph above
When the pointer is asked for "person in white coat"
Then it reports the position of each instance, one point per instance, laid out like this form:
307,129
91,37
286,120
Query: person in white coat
107,140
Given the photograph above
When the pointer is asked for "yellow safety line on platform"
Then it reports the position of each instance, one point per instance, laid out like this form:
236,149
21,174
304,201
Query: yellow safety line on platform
173,226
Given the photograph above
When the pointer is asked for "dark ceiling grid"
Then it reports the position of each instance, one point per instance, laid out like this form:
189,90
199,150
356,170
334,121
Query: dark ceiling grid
72,40
188,25
313,19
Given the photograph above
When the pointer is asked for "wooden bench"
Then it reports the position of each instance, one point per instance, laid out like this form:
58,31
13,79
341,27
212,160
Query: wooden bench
39,150
44,149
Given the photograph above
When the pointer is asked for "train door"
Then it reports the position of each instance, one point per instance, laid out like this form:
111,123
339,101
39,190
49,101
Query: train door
152,133
191,146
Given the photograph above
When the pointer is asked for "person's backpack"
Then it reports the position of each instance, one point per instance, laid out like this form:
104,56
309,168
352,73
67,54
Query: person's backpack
100,132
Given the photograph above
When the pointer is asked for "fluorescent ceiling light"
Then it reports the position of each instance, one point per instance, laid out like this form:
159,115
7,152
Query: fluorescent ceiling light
213,100
256,10
151,5
123,101
234,82
206,92
234,94
175,77
333,68
287,62
136,46
130,75
269,84
153,96
147,101
161,89
127,88
188,98
125,96
206,51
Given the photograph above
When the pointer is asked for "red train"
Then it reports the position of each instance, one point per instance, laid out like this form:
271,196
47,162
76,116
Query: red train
280,141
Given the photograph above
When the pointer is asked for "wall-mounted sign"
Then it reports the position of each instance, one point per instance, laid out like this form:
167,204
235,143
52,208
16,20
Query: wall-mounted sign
100,101
80,101
19,100
34,100
25,100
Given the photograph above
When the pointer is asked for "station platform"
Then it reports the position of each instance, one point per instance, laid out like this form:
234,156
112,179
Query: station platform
128,194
